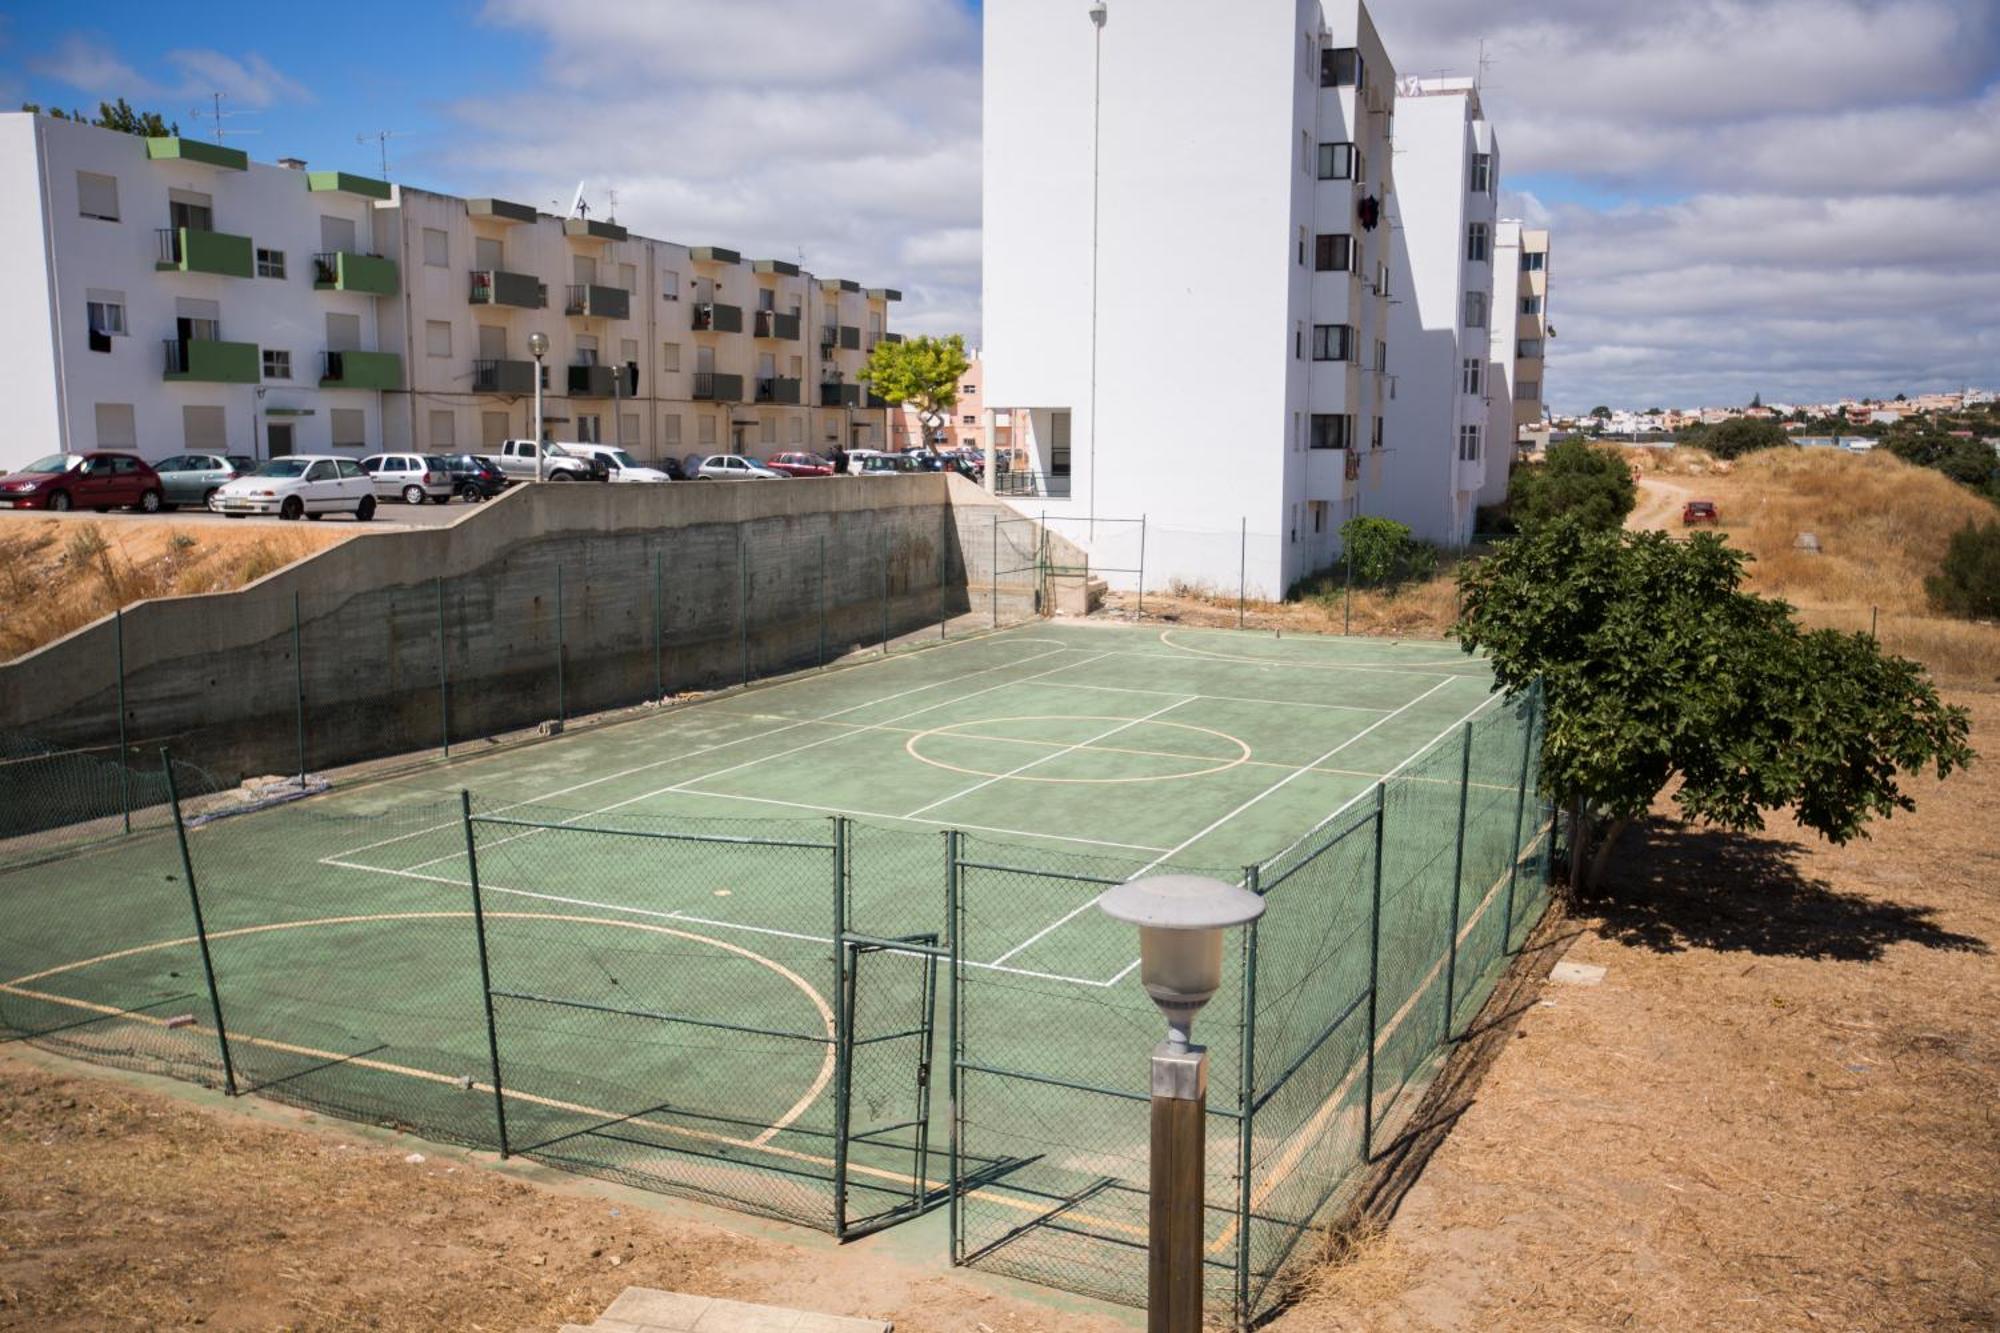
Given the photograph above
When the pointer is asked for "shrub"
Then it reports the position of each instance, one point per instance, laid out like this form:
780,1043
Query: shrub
1375,552
1968,583
1738,436
1578,479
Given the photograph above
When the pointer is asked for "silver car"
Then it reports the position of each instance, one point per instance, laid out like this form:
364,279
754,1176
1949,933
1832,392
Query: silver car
732,467
411,478
193,479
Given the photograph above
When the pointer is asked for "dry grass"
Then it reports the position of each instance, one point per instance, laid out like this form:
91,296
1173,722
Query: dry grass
1680,461
60,574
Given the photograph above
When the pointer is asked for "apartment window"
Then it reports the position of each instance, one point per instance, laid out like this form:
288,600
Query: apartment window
1529,347
798,430
1304,236
705,431
670,286
191,209
1059,426
1299,341
1332,430
444,430
1305,151
97,196
795,366
1532,261
1468,444
437,337
204,428
437,248
350,428
104,312
1381,278
1333,252
767,430
1469,376
628,276
670,429
1527,391
270,263
1475,310
1477,241
492,429
1318,508
1295,521
589,429
1531,305
1333,342
117,428
1336,162
277,364
968,419
1340,67
1382,358
1375,434
628,428
670,356
1482,173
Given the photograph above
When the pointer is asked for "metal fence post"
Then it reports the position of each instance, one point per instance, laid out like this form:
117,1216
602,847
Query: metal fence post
842,1053
562,697
659,629
1246,1098
944,573
953,856
1514,849
743,601
444,681
1142,564
885,592
1347,594
822,601
1374,977
298,689
200,926
485,970
1457,881
994,573
1242,568
124,755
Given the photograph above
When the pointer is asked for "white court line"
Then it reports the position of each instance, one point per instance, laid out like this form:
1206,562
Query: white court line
1224,698
1043,759
704,749
686,785
1295,774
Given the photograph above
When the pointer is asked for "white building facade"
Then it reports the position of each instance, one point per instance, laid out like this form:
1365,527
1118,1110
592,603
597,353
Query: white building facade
166,294
1443,217
1518,389
1187,269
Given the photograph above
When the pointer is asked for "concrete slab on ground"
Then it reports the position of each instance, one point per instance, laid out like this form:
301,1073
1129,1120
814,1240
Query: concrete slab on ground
645,1310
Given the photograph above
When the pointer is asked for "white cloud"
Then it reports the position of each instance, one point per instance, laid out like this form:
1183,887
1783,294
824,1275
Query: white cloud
97,71
250,81
91,67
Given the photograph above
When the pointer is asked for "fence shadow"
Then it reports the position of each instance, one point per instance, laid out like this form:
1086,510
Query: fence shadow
1671,888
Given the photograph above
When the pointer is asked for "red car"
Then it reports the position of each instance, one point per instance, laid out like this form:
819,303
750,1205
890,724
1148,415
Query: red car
801,465
1699,511
100,480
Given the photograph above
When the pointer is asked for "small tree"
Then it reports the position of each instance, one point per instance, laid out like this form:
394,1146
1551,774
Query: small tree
1577,478
1741,435
923,372
1968,583
117,115
1658,669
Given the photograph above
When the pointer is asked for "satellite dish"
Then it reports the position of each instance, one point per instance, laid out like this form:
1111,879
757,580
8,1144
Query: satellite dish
577,208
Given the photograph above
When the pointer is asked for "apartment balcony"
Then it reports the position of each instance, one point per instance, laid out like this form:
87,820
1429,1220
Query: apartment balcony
344,271
710,387
778,266
346,182
869,398
173,148
829,337
592,381
714,317
714,254
499,210
833,393
189,250
590,229
503,377
892,337
523,291
360,370
850,338
594,302
771,324
209,361
777,389
1331,474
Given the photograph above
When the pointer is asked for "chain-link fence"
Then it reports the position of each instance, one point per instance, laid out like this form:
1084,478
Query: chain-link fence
1386,928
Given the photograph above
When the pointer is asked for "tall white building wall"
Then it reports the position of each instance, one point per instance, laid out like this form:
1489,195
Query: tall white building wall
28,342
1500,404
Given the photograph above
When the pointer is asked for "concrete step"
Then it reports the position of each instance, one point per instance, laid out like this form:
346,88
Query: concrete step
645,1310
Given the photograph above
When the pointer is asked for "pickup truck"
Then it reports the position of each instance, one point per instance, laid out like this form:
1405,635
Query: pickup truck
517,459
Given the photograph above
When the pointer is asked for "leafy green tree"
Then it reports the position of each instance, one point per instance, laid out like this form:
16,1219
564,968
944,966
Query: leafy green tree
1659,670
1739,436
1601,412
1968,584
117,115
1577,478
923,372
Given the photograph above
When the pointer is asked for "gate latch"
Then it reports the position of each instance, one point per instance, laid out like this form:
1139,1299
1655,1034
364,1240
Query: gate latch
924,1074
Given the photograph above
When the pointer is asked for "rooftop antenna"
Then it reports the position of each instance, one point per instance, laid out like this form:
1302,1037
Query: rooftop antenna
215,112
381,138
612,205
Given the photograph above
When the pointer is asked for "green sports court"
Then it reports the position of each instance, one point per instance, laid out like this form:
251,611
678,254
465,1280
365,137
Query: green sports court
825,948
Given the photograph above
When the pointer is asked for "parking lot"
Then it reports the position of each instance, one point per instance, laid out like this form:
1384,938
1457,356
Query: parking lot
388,512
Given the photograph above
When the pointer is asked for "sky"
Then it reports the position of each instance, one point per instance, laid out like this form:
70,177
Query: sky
1792,198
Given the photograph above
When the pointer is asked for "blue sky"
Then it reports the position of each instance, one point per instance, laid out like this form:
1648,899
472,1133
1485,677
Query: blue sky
1786,197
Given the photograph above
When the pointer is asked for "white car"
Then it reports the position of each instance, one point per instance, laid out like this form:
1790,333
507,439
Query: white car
300,484
622,466
411,478
733,467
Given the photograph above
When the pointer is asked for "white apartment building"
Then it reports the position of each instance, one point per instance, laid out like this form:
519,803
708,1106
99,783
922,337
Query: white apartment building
1187,268
1520,350
1442,217
167,294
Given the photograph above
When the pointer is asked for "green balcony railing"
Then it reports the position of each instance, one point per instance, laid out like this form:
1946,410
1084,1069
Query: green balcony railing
209,361
597,302
361,370
714,317
345,271
710,387
173,148
497,287
495,376
190,250
777,389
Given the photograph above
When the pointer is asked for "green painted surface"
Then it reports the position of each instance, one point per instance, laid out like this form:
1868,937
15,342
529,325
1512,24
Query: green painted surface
212,252
212,362
183,149
347,183
503,209
370,274
364,370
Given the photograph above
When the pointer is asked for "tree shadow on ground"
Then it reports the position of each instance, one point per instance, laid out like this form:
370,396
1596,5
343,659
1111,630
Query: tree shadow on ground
1670,888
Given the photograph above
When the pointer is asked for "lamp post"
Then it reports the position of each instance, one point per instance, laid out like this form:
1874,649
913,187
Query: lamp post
538,347
1181,920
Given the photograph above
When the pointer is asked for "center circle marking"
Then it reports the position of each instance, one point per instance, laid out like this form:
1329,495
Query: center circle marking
952,730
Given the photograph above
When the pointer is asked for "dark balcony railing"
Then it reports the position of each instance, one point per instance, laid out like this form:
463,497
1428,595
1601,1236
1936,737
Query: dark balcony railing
710,387
832,393
591,381
715,317
777,389
772,324
598,302
829,335
494,376
497,287
1031,483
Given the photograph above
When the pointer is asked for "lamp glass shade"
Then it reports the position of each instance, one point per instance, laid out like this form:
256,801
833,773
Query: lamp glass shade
1180,967
538,345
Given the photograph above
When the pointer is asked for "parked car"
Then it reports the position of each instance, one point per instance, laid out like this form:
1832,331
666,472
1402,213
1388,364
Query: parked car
869,463
100,480
474,478
619,464
1699,511
801,465
300,485
411,478
517,459
193,479
733,467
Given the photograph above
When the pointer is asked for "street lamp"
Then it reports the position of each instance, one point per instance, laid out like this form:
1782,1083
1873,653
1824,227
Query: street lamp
1181,920
538,347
